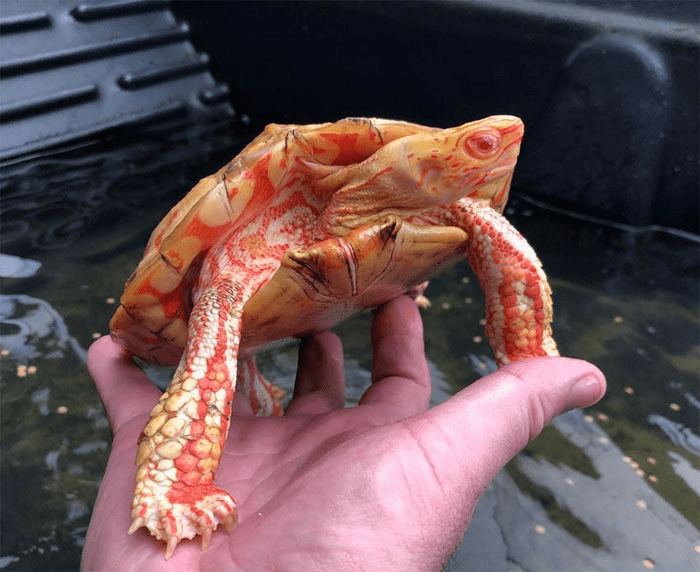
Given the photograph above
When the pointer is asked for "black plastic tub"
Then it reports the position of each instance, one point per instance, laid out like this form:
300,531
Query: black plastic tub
111,110
608,90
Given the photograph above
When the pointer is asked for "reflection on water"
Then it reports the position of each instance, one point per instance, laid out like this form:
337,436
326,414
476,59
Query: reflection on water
31,328
678,434
614,487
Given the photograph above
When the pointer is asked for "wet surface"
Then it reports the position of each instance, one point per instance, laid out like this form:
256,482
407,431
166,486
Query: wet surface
614,487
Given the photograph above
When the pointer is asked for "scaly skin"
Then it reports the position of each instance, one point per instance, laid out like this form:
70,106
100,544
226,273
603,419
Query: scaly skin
518,296
180,447
305,227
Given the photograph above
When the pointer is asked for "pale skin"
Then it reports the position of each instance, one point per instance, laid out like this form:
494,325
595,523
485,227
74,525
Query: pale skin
387,485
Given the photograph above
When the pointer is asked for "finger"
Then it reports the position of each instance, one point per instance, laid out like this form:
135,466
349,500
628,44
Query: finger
483,426
320,384
124,389
400,377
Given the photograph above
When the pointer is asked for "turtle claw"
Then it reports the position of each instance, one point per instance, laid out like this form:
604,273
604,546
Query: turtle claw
229,522
170,548
137,523
206,539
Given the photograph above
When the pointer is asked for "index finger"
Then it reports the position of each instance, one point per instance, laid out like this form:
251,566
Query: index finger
400,377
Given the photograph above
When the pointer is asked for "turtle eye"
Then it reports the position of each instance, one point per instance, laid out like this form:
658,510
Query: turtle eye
484,144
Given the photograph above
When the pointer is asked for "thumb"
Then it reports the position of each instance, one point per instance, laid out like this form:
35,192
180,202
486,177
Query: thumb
483,426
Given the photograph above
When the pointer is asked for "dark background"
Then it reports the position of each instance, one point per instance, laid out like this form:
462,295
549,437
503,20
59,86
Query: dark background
608,90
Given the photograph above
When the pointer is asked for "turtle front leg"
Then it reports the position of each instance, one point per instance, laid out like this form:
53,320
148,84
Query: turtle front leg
180,447
518,296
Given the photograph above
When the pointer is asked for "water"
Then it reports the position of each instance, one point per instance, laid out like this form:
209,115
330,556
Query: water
612,487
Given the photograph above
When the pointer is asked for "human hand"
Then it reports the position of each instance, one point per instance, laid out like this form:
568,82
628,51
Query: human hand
386,485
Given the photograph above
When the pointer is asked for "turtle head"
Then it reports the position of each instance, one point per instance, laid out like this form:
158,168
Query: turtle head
428,169
475,160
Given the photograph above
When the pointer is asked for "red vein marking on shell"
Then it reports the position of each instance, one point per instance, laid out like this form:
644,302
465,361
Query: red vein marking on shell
206,233
263,189
171,302
346,144
166,224
158,239
174,259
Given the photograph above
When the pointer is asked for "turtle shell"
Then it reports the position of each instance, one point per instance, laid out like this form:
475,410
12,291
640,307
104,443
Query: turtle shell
152,317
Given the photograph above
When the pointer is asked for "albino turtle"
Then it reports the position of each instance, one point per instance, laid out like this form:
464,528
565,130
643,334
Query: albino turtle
307,225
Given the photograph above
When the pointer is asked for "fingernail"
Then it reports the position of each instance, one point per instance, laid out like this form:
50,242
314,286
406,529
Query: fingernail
587,391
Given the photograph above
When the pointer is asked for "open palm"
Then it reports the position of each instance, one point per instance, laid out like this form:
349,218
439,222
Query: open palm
386,485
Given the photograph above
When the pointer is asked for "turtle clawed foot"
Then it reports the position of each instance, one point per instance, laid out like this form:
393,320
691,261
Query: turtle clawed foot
417,294
422,301
196,510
